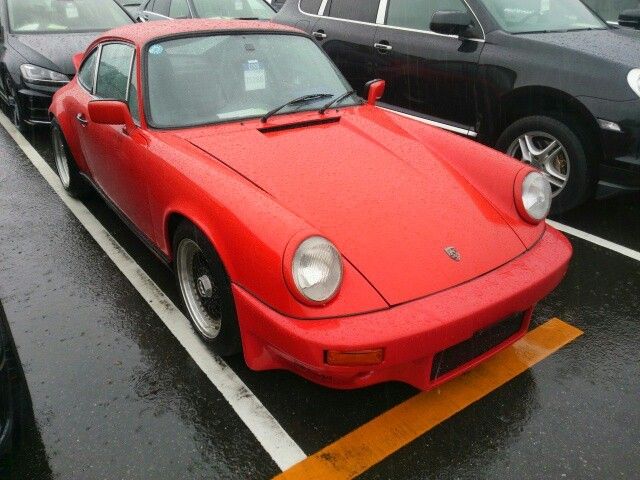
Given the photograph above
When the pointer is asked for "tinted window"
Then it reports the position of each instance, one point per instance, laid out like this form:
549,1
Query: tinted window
38,16
417,14
310,6
362,10
179,9
113,72
133,93
161,7
252,74
233,9
86,75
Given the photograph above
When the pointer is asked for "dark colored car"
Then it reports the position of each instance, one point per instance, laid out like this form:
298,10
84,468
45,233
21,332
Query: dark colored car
165,9
277,4
15,403
548,82
37,42
630,18
131,6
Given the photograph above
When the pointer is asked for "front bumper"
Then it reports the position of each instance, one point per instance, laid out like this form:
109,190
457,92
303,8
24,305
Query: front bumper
35,106
413,335
619,170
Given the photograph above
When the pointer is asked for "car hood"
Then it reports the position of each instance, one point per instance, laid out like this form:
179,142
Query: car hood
52,50
389,203
616,45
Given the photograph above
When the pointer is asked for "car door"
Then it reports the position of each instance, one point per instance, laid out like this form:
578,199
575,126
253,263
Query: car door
346,30
116,156
180,9
428,74
156,10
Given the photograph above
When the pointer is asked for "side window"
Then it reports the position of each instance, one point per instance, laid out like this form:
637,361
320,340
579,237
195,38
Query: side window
362,10
310,6
417,14
179,9
148,6
113,71
86,75
161,7
132,100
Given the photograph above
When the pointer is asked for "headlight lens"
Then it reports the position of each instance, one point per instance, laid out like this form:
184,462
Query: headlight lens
536,196
317,269
35,74
634,80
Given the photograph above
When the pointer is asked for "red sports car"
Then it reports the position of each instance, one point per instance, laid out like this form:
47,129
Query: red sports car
306,227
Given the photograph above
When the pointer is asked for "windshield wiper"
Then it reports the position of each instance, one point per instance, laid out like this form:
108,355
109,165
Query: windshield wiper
337,100
303,99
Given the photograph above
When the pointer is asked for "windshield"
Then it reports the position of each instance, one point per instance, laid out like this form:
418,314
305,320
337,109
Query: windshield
233,9
219,78
63,16
520,16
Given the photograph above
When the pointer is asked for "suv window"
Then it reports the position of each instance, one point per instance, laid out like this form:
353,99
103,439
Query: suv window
113,71
417,14
133,93
362,10
310,6
161,7
86,75
179,9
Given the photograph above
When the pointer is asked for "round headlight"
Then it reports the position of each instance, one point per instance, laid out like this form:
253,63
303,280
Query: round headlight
317,269
634,80
536,196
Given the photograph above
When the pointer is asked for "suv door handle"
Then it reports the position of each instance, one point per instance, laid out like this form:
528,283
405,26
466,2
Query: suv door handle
383,46
82,120
319,34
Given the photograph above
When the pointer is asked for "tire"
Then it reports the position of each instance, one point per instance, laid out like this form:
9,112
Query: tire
17,113
66,166
575,158
205,289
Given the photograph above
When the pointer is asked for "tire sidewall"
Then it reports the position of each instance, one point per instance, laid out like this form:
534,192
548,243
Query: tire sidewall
77,187
228,340
581,182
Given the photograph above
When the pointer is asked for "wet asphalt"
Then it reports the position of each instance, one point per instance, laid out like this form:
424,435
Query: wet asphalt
115,396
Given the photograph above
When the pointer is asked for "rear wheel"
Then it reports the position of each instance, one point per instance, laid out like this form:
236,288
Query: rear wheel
560,150
206,290
66,166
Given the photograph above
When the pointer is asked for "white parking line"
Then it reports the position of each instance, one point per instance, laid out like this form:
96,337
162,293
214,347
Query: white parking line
597,240
278,444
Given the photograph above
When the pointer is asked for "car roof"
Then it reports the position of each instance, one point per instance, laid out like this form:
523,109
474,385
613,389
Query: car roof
142,33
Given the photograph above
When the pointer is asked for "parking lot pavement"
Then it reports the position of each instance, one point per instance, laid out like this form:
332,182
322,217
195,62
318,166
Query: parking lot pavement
115,395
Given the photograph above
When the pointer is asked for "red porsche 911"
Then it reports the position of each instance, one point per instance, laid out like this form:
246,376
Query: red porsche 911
306,227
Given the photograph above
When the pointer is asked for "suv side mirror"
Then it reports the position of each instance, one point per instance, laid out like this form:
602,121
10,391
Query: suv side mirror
110,112
450,23
630,18
77,60
374,90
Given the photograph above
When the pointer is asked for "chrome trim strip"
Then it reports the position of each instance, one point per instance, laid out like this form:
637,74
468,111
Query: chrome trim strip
382,12
444,126
95,73
428,32
321,10
133,57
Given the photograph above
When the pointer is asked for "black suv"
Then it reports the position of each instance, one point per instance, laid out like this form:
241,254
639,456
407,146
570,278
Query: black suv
547,81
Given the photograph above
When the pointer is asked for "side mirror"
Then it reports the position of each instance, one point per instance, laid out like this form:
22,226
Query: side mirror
110,112
450,23
77,60
374,90
630,18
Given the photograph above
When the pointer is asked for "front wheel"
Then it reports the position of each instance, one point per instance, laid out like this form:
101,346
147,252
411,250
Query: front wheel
560,150
206,290
17,114
66,166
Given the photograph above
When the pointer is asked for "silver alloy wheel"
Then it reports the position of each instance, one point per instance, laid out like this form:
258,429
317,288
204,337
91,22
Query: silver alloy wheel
62,160
546,153
201,296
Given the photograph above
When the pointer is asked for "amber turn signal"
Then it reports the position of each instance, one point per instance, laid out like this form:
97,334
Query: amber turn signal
362,357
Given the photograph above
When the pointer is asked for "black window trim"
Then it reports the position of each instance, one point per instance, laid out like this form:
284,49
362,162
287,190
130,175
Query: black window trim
97,51
381,18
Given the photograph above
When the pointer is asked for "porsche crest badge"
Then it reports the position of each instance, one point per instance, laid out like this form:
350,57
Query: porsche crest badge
453,253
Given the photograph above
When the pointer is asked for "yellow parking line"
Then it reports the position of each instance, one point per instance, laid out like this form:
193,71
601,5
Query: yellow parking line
369,444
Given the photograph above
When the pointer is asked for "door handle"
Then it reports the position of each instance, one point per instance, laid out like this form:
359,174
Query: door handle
383,47
82,120
319,34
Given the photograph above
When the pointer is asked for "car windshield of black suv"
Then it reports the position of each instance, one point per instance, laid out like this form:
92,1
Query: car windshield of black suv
222,78
233,9
64,16
533,16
